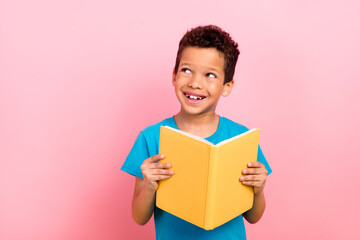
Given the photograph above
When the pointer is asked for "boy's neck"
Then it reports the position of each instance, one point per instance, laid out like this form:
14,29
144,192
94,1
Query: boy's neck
200,125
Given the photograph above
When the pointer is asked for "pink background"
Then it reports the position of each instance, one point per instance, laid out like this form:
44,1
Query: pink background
80,79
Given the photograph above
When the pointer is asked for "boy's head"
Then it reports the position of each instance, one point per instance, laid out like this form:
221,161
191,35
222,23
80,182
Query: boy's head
211,37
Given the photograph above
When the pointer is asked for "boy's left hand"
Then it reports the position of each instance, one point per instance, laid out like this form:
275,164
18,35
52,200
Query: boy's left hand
255,175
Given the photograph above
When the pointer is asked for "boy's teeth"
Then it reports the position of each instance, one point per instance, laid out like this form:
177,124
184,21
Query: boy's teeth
194,97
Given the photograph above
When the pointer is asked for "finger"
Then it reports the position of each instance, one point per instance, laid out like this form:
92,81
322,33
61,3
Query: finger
253,164
253,178
158,165
162,177
159,177
253,183
155,158
254,171
159,172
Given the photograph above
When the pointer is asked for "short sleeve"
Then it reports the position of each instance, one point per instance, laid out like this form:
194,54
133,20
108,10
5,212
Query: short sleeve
136,157
261,158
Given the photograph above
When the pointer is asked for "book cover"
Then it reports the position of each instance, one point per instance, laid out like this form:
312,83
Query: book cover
205,189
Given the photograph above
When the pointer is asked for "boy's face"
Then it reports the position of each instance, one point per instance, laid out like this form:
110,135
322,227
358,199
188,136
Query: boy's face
199,82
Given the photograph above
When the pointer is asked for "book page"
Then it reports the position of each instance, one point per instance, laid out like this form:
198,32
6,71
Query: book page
190,135
237,136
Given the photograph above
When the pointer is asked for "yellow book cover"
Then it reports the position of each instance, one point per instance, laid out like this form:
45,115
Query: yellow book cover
205,189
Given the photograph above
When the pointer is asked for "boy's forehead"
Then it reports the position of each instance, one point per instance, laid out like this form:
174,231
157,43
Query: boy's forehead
203,57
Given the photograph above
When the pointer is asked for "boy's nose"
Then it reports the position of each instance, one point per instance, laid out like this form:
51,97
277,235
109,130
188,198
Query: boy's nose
195,82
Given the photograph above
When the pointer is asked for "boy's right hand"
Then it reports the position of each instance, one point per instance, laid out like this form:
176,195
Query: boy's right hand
153,171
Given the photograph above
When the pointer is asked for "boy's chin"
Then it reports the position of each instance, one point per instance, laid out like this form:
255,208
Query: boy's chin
195,112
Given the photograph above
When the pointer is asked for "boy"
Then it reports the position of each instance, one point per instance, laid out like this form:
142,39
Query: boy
203,72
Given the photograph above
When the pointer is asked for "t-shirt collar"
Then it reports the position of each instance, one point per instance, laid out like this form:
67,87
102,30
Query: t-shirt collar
211,138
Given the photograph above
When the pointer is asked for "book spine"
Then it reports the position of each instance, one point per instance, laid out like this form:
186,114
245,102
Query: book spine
210,204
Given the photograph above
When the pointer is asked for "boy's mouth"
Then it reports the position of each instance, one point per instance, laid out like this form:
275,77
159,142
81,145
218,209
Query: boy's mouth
193,97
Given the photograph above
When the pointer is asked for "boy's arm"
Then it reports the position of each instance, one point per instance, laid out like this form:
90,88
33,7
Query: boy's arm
142,203
255,213
144,192
255,175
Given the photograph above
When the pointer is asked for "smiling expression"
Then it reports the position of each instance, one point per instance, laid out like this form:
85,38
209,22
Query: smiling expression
199,82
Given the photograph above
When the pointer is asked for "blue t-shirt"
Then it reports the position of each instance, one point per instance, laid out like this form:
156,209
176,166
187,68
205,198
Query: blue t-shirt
168,226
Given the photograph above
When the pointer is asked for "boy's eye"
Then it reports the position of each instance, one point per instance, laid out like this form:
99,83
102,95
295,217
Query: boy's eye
185,70
211,75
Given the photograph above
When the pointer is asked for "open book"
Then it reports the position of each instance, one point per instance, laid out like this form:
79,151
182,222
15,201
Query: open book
205,189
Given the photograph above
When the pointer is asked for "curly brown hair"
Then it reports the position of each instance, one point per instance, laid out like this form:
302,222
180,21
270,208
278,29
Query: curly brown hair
211,36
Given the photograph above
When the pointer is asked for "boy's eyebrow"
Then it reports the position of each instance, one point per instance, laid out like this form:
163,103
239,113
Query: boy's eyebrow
213,69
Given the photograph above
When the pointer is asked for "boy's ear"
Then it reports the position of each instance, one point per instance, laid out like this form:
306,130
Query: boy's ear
227,88
173,77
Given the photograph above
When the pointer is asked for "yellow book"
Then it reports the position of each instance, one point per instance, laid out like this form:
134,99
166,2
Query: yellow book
205,189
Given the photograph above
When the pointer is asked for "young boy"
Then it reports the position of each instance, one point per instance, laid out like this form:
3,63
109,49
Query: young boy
203,72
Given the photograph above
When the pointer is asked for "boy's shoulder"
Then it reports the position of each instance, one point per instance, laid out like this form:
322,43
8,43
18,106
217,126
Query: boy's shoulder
230,125
154,129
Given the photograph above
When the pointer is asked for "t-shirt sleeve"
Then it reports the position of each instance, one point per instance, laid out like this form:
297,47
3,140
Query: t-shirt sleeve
137,155
261,158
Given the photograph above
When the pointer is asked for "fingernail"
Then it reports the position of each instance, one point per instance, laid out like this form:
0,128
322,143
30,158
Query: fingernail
249,164
171,172
168,165
244,171
162,156
242,179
